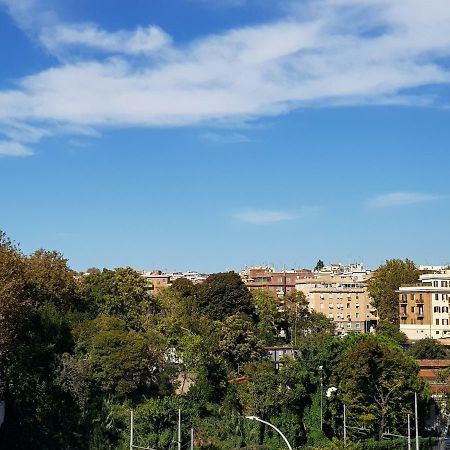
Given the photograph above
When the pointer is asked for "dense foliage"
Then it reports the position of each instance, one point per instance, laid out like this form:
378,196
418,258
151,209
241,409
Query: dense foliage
384,283
78,352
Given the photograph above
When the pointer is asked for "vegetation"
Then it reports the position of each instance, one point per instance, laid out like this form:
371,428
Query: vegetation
384,283
78,352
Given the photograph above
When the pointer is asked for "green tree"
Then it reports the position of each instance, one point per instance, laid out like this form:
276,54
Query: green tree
238,342
224,294
428,349
120,292
392,331
49,280
123,363
385,282
319,266
376,381
13,299
269,318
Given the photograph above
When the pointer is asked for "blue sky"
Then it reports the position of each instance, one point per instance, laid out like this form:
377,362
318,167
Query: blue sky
213,134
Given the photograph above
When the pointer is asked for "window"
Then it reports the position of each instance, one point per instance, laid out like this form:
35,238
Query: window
412,297
435,283
358,325
280,280
445,309
437,321
404,298
444,284
437,309
437,332
349,325
444,321
348,305
288,280
357,315
412,309
436,296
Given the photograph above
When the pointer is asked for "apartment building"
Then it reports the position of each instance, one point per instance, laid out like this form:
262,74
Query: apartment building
342,298
424,307
156,281
278,282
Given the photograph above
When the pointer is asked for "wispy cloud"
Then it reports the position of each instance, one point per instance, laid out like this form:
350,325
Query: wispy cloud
9,148
224,138
264,216
324,52
401,199
139,41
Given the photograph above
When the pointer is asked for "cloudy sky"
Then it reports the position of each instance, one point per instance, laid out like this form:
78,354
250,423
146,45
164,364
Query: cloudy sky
214,134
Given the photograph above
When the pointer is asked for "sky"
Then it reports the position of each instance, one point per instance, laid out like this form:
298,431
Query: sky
211,135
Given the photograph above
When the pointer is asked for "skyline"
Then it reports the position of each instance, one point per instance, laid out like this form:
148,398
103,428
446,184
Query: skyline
232,133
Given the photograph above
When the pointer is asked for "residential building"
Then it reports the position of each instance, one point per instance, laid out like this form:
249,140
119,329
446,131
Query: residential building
156,281
342,298
278,352
280,283
424,307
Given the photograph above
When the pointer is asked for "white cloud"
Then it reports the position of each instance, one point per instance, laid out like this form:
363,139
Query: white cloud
139,41
9,148
264,216
325,52
400,199
224,138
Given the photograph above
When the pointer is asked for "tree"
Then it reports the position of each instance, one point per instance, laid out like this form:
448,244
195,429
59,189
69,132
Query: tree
428,349
13,298
49,280
183,286
120,292
123,363
224,294
238,342
376,381
385,282
319,266
392,331
269,318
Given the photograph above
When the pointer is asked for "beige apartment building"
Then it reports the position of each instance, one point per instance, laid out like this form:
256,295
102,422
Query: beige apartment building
424,307
342,298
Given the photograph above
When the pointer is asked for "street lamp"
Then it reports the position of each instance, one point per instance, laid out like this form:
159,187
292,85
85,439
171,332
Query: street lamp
273,426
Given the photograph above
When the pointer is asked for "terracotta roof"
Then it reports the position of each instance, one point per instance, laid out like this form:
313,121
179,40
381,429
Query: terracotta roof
433,363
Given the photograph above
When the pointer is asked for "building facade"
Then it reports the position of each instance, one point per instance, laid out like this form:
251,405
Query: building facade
424,307
342,298
280,283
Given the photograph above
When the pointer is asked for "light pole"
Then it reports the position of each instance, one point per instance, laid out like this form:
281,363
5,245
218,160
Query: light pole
321,397
273,426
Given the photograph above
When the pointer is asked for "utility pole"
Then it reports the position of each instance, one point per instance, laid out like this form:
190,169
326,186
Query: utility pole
409,433
192,439
131,430
179,429
417,421
345,426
